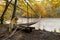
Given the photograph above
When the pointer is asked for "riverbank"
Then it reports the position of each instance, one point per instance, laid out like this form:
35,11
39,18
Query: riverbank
34,35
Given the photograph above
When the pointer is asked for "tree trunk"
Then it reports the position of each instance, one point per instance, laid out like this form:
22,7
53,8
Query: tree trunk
6,7
14,10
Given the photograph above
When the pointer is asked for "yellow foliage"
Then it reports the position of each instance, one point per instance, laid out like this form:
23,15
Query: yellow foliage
1,8
44,12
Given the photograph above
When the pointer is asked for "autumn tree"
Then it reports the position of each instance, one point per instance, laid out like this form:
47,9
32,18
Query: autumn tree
14,10
6,7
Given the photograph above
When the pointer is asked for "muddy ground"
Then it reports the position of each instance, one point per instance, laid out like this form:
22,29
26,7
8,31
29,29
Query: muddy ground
34,35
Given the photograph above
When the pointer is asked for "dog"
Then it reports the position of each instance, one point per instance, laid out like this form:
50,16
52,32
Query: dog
13,23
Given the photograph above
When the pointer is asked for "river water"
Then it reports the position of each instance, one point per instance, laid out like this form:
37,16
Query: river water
48,24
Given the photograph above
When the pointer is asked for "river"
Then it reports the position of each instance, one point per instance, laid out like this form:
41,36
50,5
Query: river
48,24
